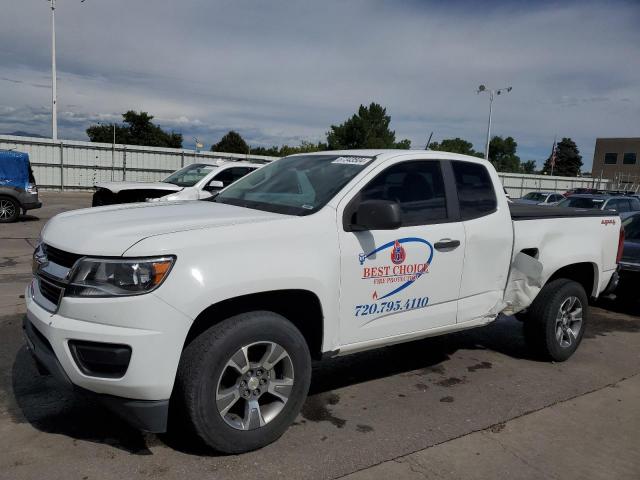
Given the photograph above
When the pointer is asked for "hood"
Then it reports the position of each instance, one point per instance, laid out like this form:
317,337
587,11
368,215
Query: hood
111,230
631,252
116,187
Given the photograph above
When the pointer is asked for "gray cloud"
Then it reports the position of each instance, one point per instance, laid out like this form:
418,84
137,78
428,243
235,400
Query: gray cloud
281,72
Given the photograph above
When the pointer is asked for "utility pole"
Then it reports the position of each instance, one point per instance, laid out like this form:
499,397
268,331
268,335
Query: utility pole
113,151
54,93
492,94
54,99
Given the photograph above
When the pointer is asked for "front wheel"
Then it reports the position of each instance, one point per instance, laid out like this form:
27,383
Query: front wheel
243,381
555,322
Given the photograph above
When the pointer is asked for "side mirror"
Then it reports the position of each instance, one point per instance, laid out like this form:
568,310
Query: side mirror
214,185
377,215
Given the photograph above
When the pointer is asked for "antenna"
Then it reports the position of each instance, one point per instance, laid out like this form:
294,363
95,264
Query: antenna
429,141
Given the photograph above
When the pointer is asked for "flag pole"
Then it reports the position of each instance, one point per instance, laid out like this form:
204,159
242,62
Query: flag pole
553,154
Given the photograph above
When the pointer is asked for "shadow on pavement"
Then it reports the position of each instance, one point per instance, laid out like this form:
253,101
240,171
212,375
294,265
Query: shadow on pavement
28,218
51,408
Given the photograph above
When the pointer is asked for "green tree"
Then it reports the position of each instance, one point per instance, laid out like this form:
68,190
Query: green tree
529,166
284,150
455,145
502,154
232,142
568,159
268,151
369,128
136,129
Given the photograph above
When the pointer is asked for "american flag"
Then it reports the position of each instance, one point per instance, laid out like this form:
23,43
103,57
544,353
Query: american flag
552,162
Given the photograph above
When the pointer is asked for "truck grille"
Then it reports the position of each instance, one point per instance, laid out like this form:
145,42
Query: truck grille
60,257
49,290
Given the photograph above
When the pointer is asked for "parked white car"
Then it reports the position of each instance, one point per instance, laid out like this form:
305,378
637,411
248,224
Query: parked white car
219,306
193,182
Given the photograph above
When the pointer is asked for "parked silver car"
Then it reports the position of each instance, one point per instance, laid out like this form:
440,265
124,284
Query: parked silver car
624,205
539,198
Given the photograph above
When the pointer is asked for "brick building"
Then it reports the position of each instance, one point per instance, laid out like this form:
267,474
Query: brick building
617,159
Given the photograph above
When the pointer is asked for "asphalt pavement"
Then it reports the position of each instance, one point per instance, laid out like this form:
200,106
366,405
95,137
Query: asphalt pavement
467,405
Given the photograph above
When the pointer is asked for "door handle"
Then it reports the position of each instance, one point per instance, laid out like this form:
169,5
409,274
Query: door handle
447,244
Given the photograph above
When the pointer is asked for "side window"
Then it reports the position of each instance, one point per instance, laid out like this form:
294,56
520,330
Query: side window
619,205
230,175
238,172
635,204
625,205
475,190
417,186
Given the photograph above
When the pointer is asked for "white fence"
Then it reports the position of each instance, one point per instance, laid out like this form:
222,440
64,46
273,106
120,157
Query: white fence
67,164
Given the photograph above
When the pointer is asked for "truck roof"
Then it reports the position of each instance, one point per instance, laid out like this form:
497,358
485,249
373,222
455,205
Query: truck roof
222,162
384,154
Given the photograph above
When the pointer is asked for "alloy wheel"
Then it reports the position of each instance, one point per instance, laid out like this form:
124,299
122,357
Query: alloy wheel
255,385
7,209
568,321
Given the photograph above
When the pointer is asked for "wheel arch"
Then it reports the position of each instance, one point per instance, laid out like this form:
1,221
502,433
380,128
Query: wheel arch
11,193
300,307
585,273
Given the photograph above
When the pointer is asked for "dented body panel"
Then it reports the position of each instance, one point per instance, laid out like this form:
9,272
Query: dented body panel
550,244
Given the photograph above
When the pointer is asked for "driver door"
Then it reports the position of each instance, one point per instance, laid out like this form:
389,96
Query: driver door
399,283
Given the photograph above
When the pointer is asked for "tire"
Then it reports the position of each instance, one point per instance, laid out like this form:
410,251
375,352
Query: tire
9,210
214,364
550,333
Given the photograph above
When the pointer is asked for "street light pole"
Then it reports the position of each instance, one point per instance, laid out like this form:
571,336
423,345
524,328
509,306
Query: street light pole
486,147
54,100
492,94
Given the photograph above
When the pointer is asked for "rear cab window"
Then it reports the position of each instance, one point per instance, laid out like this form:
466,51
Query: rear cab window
476,194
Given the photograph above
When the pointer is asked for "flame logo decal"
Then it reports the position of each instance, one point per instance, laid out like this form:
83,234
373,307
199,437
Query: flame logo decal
398,256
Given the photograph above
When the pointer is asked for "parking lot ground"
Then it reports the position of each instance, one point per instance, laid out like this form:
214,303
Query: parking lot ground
578,438
467,405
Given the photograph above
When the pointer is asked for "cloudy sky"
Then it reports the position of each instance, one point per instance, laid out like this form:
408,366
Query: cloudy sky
283,71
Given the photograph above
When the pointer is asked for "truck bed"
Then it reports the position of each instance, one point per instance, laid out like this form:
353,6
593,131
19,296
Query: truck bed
536,212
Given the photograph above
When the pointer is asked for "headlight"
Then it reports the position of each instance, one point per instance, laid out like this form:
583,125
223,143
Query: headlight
99,277
31,188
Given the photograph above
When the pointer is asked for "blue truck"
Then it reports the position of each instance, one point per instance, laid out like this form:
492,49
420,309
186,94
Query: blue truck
18,189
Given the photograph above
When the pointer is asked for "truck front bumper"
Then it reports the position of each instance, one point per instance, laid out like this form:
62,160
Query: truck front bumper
140,392
147,415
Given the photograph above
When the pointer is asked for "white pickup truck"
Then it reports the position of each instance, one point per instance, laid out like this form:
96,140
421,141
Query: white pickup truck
219,306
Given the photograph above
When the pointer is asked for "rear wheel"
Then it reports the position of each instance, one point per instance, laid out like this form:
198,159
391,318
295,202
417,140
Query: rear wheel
242,382
9,210
555,322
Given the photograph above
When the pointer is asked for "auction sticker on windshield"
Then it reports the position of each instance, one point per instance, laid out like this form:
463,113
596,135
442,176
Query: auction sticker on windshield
352,160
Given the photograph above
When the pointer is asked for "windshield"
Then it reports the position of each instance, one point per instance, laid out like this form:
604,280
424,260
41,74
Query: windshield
582,202
632,228
538,197
190,175
297,185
